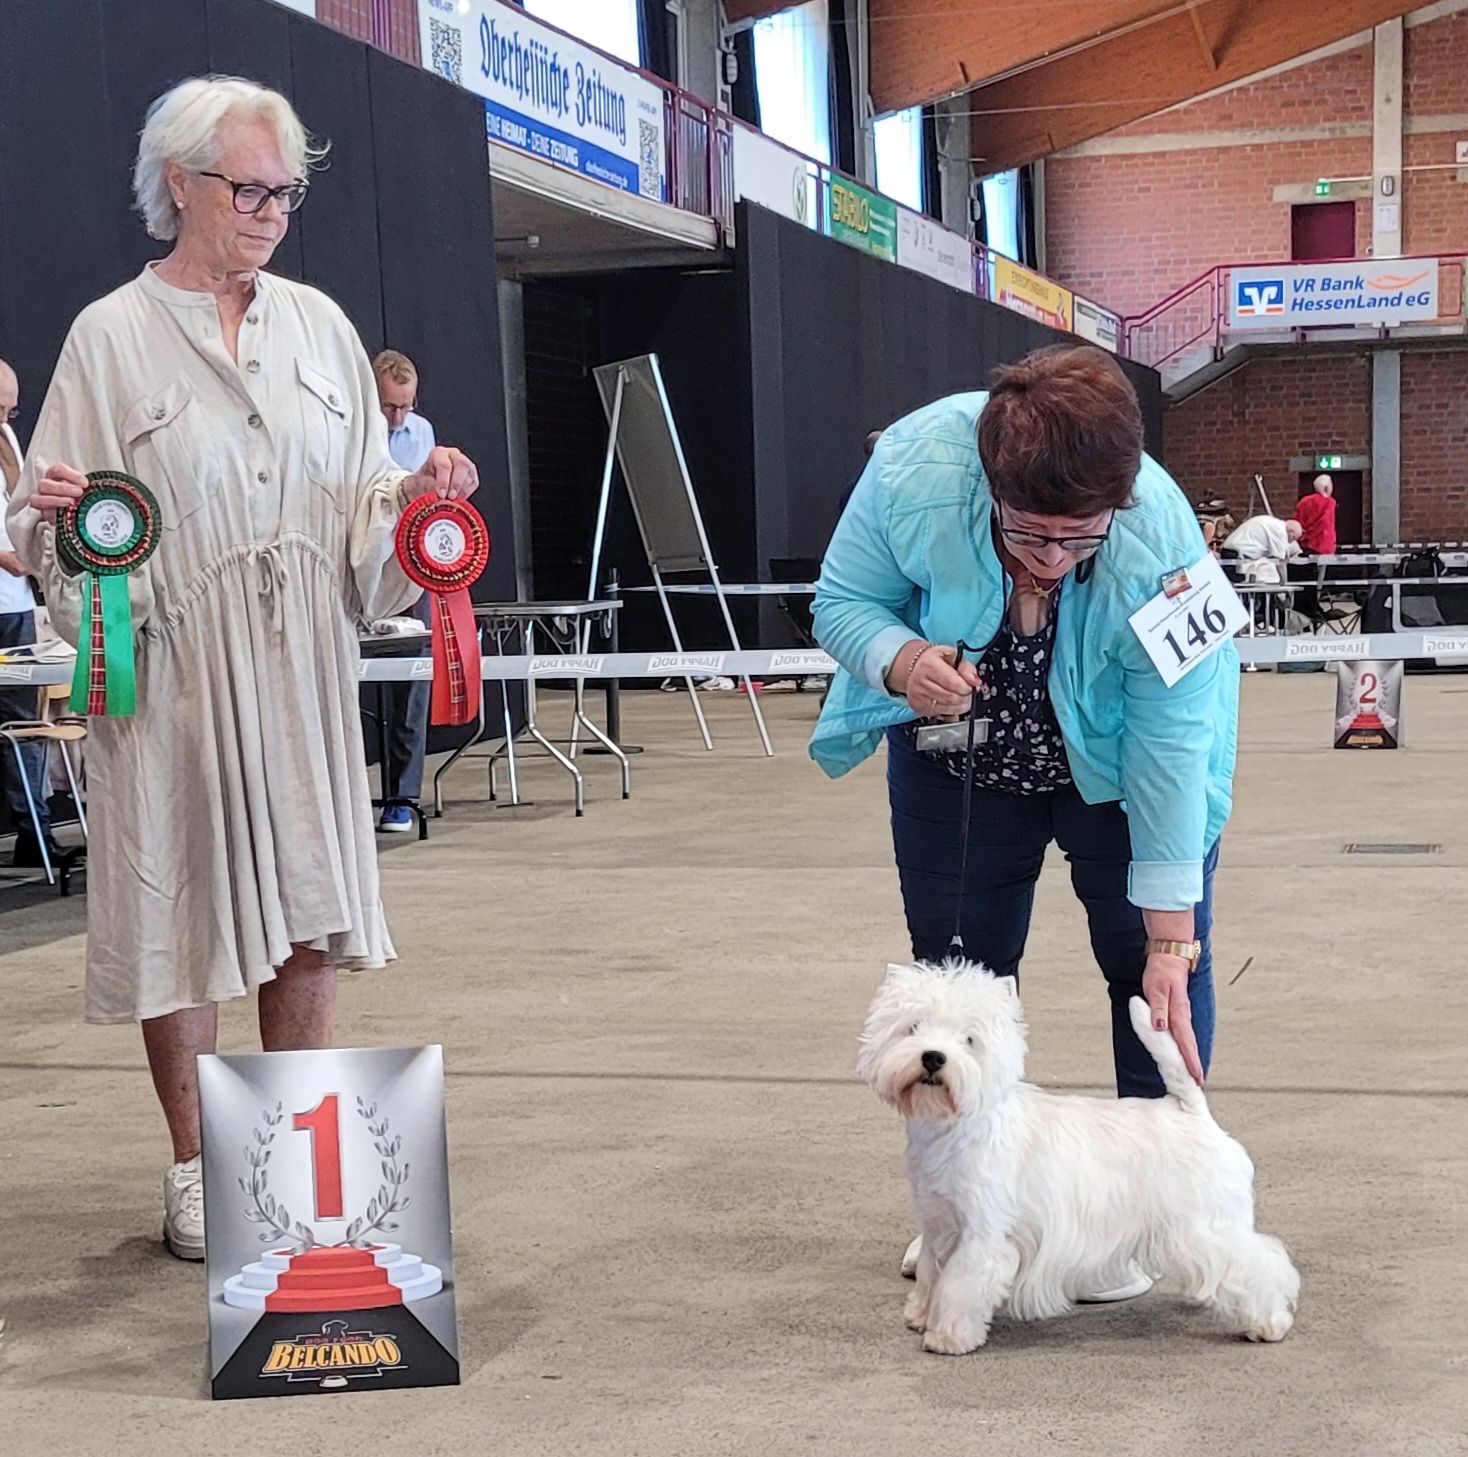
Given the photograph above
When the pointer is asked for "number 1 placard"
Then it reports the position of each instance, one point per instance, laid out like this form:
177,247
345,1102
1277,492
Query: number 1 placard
326,1222
1194,614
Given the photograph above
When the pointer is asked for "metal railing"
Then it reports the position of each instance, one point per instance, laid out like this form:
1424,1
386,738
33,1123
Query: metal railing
1195,316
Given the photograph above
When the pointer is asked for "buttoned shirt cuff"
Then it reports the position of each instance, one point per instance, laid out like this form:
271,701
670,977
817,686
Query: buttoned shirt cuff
1165,885
880,655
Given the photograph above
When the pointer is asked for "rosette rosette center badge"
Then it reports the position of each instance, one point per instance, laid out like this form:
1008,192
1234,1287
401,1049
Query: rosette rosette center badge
111,531
444,547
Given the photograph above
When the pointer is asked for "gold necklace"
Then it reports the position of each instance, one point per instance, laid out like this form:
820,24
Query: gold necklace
1043,593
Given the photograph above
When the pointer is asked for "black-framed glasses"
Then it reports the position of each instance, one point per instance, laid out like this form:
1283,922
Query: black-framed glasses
1076,545
251,197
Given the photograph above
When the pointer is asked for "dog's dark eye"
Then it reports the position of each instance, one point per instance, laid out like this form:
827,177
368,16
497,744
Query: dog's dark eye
912,1031
969,1040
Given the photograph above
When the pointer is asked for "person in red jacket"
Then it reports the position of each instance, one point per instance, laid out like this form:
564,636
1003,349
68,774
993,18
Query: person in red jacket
1316,515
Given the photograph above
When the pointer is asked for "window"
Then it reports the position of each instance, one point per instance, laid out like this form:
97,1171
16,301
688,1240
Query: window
1001,213
899,139
792,74
609,25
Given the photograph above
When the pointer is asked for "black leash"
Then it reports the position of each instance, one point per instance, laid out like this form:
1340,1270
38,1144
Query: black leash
955,945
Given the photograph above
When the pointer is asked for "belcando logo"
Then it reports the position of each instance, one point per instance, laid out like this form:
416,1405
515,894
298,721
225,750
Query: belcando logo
333,1351
1260,296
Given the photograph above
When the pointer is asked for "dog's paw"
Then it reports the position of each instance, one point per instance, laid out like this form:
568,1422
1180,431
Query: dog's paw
1275,1328
915,1311
953,1343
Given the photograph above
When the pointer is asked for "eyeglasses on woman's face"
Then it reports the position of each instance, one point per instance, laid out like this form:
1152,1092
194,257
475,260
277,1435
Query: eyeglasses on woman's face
251,198
1034,541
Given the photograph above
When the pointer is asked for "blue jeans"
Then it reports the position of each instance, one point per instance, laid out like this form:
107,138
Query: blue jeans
1008,834
407,707
17,629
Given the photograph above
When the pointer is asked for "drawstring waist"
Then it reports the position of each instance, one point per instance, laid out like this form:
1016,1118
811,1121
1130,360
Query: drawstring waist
270,577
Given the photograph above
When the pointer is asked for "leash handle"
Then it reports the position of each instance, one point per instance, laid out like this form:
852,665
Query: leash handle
955,944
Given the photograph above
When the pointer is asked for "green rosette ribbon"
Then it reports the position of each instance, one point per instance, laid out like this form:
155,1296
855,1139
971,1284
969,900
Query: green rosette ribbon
111,531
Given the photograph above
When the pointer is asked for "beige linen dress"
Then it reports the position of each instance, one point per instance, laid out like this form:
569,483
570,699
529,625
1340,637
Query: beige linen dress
230,818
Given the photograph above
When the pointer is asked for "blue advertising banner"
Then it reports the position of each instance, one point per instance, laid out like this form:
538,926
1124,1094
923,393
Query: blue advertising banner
1312,295
548,95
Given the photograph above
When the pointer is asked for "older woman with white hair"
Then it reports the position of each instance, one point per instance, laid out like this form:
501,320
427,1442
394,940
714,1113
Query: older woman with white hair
231,839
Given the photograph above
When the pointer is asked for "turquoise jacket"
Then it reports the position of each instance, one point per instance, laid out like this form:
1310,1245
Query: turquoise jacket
913,556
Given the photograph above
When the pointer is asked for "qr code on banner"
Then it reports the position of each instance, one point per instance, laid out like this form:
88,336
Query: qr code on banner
649,162
447,58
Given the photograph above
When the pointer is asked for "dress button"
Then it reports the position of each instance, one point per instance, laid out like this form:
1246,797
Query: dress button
252,318
262,476
253,420
253,365
158,412
332,401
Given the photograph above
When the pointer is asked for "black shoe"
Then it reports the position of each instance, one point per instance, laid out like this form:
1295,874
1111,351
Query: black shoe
28,852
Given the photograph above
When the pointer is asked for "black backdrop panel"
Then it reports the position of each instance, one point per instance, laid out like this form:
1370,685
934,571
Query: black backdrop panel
841,344
409,162
439,299
250,39
339,234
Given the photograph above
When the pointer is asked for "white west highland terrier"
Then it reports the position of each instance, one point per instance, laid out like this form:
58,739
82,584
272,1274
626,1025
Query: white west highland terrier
1030,1199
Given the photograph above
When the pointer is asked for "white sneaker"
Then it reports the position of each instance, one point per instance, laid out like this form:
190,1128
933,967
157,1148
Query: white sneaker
1139,1283
183,1210
716,685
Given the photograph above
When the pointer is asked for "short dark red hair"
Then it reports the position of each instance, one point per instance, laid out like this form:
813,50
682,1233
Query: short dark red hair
1061,434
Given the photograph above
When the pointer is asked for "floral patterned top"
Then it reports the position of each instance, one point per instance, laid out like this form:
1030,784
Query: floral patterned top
1025,753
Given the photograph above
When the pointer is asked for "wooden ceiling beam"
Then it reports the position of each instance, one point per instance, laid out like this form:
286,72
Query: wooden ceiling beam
1092,90
737,10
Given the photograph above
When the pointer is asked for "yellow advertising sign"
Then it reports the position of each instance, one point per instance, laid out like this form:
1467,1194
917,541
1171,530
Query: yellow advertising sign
1031,295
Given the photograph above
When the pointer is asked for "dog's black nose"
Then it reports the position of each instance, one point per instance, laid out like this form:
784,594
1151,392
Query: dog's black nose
932,1061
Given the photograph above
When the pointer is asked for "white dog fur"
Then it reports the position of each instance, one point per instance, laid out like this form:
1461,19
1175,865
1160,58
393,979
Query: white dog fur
1028,1199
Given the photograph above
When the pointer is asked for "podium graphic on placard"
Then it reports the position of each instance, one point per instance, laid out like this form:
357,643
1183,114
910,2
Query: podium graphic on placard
1368,706
349,1196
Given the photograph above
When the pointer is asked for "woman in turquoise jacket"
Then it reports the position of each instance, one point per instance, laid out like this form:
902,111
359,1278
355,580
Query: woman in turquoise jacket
1028,524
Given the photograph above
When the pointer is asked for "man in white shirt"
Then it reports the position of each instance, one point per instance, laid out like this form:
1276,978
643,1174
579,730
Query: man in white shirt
409,439
1265,536
18,628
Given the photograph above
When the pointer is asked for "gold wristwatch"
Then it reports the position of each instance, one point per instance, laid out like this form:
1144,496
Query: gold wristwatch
1190,951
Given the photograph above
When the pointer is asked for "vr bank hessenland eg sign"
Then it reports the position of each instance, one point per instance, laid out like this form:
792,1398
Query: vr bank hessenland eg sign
547,95
1301,295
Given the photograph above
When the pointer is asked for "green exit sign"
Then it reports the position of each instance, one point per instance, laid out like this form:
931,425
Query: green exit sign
1327,462
1322,188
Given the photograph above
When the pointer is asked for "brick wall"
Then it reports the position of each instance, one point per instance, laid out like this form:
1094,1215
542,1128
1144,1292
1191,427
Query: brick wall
392,24
1435,447
1129,226
1261,416
1435,84
1127,229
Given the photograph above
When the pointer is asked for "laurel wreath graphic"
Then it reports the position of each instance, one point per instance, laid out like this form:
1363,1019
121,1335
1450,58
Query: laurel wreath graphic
390,1197
263,1208
279,1228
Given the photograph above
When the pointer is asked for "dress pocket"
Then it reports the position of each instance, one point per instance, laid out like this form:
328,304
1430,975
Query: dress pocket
168,449
326,427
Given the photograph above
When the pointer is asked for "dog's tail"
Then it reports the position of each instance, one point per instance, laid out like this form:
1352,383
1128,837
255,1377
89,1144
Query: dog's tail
1175,1075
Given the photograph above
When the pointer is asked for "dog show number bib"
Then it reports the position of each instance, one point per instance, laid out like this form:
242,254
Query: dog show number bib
111,531
443,546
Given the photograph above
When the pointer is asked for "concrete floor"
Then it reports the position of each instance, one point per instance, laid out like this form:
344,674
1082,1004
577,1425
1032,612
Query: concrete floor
679,1216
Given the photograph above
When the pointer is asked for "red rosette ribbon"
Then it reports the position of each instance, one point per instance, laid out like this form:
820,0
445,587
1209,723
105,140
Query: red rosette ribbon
443,546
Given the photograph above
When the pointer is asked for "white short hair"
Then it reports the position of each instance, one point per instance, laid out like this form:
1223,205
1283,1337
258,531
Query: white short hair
185,125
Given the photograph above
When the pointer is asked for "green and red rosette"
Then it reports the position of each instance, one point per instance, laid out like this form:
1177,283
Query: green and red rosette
443,546
111,531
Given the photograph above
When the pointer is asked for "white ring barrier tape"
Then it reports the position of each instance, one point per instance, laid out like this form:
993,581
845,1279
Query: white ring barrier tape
802,662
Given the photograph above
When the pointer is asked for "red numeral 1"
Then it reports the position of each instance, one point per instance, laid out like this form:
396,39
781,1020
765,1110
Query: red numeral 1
326,1155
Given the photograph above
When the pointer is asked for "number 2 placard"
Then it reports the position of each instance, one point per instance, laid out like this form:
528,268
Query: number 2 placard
1194,614
326,1216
